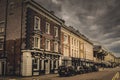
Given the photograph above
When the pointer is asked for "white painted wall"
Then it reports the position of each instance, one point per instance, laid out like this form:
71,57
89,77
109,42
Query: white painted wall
27,64
88,51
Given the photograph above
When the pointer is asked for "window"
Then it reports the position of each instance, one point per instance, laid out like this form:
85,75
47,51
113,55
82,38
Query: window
65,39
11,8
36,23
72,53
37,42
47,44
72,41
75,42
36,64
56,46
47,28
56,31
1,42
1,39
1,46
1,29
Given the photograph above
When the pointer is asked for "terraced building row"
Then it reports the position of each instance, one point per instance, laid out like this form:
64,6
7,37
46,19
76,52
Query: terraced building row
33,41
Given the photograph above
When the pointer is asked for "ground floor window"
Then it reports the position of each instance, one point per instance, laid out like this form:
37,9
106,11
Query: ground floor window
36,63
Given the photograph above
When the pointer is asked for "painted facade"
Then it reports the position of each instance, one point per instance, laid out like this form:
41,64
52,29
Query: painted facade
76,49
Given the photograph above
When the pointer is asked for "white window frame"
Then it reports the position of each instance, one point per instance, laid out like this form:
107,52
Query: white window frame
1,48
47,46
55,46
2,29
37,63
1,42
56,31
47,28
38,46
65,41
39,22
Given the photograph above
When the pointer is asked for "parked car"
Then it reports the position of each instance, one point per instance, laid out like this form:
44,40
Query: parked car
87,69
66,70
80,69
94,68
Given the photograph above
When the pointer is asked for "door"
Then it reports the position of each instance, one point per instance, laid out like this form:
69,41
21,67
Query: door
47,67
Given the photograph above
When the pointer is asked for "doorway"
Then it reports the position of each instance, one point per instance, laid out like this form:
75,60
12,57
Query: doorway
47,67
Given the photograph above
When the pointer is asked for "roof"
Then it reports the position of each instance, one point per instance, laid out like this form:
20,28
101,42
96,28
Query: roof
49,13
76,32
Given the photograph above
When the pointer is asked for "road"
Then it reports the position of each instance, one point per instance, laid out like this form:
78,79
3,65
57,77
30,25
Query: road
106,74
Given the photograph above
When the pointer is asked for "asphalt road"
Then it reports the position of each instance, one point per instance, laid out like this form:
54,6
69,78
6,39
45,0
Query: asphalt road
107,74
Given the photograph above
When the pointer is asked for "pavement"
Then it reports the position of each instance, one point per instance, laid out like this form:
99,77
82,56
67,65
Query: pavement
103,74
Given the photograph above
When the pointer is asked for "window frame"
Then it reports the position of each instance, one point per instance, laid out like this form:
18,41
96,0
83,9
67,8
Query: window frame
36,63
47,28
38,46
1,48
56,46
1,42
65,41
56,31
47,46
2,29
35,21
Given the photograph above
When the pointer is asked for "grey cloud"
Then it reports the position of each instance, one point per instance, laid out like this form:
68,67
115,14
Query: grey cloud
99,20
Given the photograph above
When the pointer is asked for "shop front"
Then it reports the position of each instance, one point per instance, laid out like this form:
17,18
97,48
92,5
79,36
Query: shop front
39,63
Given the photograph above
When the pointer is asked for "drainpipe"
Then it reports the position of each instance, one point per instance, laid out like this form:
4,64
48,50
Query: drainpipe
5,56
21,38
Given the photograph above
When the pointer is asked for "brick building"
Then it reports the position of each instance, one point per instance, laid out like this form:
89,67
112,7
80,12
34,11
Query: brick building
29,38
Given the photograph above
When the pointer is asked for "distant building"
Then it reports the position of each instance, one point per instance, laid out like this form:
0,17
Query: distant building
99,55
110,58
117,61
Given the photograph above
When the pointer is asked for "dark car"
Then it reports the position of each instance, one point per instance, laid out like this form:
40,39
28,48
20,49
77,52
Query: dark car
87,69
94,68
80,69
66,70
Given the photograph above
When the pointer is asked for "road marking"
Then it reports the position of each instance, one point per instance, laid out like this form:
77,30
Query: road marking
116,76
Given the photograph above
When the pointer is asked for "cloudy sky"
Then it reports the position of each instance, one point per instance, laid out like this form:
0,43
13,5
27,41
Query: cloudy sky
99,20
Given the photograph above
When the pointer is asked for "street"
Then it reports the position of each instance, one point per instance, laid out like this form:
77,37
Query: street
106,74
